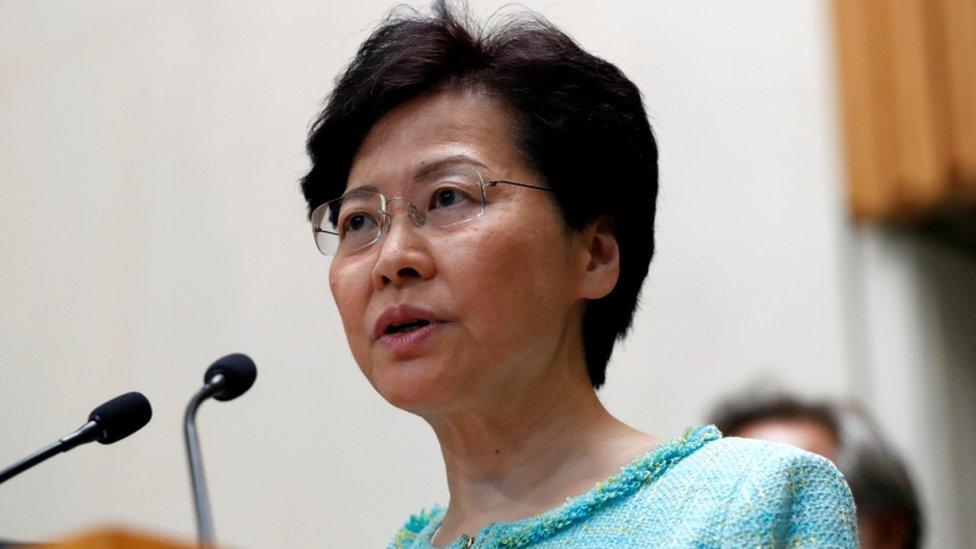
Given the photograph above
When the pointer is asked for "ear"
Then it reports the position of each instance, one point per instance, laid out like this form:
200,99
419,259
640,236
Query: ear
599,260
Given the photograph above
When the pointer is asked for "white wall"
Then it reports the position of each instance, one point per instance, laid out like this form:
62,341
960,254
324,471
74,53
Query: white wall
149,158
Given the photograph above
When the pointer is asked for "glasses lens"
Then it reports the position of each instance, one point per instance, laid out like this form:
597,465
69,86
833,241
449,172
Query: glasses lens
451,198
348,223
355,220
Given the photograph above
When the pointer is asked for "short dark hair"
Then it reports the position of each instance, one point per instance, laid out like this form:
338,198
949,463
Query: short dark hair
879,481
579,124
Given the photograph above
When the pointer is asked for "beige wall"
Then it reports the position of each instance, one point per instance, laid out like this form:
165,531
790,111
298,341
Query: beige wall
149,158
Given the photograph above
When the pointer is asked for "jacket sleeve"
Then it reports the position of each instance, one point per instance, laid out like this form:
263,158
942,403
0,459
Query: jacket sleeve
792,499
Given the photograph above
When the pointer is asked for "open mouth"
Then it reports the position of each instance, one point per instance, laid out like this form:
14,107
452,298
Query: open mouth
405,327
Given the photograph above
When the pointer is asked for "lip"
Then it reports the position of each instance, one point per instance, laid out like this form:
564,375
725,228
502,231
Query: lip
402,343
398,314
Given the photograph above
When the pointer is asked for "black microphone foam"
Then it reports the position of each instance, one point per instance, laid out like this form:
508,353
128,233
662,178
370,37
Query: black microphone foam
239,374
121,416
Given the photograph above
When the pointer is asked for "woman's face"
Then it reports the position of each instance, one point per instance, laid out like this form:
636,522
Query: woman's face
496,298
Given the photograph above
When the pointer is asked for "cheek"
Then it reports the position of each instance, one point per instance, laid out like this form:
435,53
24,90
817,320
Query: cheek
350,289
511,284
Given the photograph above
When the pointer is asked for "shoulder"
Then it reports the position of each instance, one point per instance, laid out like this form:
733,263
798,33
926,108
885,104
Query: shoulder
778,494
745,456
760,464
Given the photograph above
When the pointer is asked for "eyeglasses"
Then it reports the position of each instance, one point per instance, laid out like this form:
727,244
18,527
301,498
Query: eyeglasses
359,218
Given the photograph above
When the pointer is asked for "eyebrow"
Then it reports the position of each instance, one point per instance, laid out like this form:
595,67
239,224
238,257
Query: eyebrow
426,170
429,168
361,188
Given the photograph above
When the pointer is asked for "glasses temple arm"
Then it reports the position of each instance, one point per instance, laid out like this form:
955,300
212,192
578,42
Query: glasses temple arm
497,181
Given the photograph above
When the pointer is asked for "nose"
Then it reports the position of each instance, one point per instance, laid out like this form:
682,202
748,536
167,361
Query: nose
404,256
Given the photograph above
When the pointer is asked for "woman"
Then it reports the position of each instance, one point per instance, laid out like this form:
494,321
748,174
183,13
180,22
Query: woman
488,199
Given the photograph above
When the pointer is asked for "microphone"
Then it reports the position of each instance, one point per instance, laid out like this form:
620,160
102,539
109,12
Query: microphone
110,422
225,379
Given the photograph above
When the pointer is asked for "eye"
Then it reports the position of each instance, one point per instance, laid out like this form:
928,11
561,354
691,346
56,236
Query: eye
357,223
448,197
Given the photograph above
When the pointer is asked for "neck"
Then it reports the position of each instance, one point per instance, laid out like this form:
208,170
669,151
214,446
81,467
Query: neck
527,454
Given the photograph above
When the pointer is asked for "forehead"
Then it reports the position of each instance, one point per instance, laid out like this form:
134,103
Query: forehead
429,129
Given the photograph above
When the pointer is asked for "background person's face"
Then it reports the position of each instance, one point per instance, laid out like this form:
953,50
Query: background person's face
806,434
501,287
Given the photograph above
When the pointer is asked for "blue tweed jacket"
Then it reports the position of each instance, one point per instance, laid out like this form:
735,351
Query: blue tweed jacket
698,490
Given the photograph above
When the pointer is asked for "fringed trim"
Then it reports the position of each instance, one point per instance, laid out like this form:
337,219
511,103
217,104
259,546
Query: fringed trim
643,470
415,524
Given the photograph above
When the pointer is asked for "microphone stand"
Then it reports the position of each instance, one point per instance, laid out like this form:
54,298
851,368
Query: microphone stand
201,501
30,461
86,433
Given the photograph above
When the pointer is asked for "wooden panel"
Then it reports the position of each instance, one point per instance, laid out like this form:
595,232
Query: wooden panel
116,538
959,22
908,77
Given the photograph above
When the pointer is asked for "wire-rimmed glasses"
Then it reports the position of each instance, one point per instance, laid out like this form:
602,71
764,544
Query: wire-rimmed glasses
359,218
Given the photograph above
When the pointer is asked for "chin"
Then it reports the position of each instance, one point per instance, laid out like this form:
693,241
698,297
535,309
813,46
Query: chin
412,386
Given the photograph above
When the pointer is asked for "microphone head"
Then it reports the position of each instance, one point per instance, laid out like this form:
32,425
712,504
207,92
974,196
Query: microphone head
239,374
121,416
